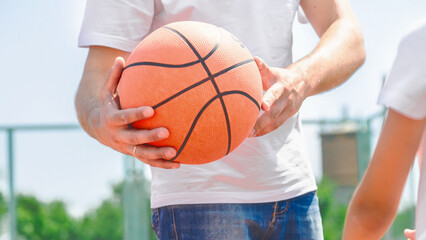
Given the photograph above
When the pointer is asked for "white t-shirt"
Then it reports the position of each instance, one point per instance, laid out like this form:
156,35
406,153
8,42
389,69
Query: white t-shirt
269,168
405,92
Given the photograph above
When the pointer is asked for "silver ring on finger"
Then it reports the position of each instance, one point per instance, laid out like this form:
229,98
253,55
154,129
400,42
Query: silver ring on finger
114,95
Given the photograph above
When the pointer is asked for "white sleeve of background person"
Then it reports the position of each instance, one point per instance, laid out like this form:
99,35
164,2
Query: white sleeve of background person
301,16
119,24
405,92
404,88
270,168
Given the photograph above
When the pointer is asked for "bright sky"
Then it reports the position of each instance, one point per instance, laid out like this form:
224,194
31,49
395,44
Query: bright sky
41,67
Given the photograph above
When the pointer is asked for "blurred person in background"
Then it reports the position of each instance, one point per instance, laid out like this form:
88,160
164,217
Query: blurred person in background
375,202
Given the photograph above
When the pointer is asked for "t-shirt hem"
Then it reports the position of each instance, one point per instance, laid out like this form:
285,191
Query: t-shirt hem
228,197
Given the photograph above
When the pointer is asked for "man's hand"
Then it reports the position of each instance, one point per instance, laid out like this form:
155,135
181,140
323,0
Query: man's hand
284,94
98,110
112,129
339,53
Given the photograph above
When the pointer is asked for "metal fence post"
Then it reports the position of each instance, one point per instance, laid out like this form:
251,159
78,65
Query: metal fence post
137,224
12,200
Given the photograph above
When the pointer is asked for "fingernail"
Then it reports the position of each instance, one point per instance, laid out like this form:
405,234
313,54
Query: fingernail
162,134
170,154
147,112
267,105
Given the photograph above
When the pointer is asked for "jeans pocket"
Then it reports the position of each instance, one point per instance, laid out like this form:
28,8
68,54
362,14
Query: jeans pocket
155,222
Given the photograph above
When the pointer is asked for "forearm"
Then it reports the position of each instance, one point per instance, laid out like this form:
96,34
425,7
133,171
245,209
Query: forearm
375,202
88,102
340,51
368,218
88,97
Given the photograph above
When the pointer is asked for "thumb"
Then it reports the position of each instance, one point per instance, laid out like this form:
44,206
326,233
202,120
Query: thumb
271,95
114,75
261,65
265,72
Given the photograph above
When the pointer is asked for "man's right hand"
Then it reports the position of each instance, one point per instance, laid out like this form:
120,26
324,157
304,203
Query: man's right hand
99,113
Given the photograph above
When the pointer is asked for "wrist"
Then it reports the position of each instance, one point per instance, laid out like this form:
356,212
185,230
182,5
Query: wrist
300,80
93,122
89,118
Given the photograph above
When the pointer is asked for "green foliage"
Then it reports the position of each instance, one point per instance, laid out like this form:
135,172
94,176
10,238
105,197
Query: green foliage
37,220
333,213
403,220
41,221
104,223
3,206
50,221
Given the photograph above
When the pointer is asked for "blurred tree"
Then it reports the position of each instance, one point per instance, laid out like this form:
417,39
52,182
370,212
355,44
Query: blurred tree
3,206
333,213
104,223
37,220
29,217
3,209
404,219
50,221
40,221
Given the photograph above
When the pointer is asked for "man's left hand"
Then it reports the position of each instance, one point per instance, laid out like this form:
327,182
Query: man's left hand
285,90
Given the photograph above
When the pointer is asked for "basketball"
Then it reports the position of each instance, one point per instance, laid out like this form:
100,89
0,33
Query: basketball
203,85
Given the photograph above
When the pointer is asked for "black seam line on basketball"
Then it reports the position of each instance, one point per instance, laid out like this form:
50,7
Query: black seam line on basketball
243,94
194,123
215,47
156,64
201,82
212,81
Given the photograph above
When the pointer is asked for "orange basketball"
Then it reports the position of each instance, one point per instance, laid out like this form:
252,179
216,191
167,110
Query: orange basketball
203,85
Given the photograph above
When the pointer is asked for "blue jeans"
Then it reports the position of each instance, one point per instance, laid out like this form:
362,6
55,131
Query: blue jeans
293,219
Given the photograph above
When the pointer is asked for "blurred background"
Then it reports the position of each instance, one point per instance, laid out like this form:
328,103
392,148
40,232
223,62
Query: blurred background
58,183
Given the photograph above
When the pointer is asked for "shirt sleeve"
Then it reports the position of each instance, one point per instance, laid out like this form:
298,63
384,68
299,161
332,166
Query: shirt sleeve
405,87
119,24
301,16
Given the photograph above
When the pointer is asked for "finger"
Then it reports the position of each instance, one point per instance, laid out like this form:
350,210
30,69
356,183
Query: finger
268,117
114,75
147,152
262,122
264,72
260,63
276,109
131,115
271,95
273,124
137,136
161,163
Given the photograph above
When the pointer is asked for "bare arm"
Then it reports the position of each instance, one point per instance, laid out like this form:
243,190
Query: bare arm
375,202
99,115
338,55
